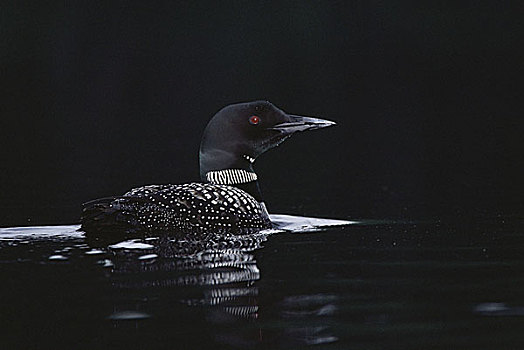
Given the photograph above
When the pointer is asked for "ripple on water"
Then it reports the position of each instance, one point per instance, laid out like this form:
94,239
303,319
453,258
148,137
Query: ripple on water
106,263
57,257
94,252
147,257
498,309
130,315
131,244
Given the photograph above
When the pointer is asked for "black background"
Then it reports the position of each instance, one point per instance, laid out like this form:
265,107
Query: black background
99,97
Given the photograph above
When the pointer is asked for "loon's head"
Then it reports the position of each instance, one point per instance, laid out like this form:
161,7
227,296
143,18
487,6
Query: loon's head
239,133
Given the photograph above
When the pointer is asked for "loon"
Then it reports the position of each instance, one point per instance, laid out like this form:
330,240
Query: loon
228,199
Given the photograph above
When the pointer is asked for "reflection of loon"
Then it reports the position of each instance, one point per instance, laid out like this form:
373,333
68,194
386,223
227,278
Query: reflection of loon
217,276
229,198
209,270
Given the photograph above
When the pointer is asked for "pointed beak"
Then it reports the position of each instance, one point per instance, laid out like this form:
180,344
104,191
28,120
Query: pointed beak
300,123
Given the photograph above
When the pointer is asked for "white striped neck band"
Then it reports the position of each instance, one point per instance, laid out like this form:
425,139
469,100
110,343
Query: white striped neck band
230,176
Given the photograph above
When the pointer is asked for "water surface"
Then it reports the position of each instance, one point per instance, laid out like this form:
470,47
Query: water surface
368,285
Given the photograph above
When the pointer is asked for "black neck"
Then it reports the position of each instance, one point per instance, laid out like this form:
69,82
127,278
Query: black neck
216,160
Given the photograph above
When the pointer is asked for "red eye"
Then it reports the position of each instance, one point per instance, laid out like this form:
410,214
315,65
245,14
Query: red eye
254,119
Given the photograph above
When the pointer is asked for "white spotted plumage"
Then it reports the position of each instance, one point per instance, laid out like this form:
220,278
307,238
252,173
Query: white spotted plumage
194,206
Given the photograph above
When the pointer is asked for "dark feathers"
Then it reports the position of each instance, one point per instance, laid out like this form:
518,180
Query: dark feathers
193,207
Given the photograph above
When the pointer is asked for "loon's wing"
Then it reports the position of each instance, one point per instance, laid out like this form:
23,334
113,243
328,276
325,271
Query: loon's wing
193,207
107,214
109,211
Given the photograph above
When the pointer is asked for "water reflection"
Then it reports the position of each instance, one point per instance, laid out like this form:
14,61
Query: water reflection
214,274
312,312
207,288
401,286
217,277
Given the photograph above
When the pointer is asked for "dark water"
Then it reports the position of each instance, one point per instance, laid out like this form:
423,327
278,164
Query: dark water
101,97
372,285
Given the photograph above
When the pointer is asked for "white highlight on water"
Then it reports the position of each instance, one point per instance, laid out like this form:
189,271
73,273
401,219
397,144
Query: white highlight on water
147,257
131,244
106,263
94,252
57,257
19,233
297,224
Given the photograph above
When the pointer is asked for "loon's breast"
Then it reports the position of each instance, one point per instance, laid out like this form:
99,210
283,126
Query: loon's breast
192,207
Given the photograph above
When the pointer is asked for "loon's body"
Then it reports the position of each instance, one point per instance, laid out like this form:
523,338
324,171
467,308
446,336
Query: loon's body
228,199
